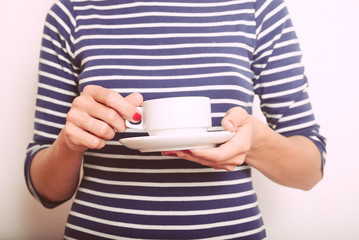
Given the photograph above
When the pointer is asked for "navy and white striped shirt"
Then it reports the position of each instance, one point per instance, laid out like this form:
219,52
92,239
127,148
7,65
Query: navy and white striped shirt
227,50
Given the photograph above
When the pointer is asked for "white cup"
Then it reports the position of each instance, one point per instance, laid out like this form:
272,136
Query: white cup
174,116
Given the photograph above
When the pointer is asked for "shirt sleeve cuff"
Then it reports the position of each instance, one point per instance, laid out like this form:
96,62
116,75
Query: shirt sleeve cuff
30,156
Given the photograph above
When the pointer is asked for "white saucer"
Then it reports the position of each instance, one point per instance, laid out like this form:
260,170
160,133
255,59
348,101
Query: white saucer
176,142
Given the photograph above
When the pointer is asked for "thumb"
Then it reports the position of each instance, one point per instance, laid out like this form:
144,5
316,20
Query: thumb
234,118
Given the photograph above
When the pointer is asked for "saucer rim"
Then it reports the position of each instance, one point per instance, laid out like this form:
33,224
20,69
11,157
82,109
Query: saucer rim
130,140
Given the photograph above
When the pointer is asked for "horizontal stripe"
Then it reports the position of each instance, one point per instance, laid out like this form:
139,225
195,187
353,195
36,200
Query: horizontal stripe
283,93
286,43
168,184
56,89
45,134
163,4
218,114
54,101
167,227
300,103
167,198
296,116
171,67
276,105
94,233
237,235
110,236
51,112
167,35
48,123
168,213
176,77
284,56
165,57
231,101
296,127
56,77
59,67
276,116
279,82
165,14
282,69
184,89
161,171
169,24
165,46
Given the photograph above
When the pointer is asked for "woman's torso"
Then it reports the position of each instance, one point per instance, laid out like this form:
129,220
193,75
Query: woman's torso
165,49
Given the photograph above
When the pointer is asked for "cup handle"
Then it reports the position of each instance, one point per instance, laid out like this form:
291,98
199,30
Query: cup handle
137,126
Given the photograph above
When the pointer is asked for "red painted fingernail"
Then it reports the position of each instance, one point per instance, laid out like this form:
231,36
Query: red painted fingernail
188,151
137,117
171,154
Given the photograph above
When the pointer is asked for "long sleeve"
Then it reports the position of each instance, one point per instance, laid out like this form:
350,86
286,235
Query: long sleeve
57,82
280,81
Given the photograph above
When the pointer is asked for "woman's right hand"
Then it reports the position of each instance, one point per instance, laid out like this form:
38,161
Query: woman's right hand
96,114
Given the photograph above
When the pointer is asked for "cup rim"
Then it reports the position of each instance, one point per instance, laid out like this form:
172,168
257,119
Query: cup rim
169,98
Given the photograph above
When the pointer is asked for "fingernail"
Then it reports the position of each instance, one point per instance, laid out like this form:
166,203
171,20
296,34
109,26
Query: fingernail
232,123
171,154
137,117
188,151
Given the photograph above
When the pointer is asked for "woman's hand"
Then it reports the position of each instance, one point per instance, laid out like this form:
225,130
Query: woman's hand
230,154
92,119
290,161
96,114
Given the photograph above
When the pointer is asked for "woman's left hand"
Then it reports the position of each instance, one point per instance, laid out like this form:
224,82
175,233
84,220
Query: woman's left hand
230,154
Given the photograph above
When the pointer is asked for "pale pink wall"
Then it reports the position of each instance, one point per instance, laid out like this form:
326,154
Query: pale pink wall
328,31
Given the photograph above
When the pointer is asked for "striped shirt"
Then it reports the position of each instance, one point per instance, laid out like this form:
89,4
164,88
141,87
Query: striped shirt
227,50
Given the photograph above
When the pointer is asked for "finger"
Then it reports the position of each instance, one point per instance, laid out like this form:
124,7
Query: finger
238,144
222,162
229,165
93,124
80,140
234,118
115,101
232,163
100,129
135,99
188,156
108,115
